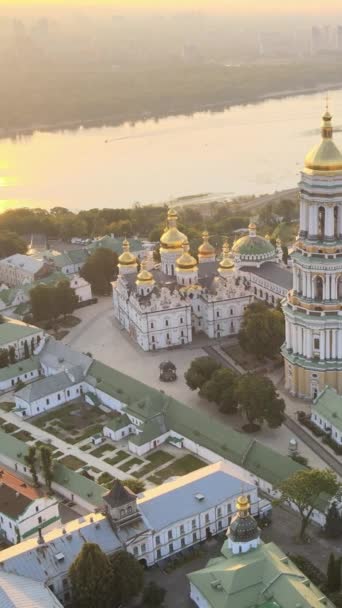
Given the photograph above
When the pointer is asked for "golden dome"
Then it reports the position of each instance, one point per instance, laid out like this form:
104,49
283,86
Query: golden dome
126,258
226,262
172,238
144,277
206,249
242,504
325,156
186,260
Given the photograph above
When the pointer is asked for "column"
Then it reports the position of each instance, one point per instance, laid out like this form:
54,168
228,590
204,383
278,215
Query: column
302,217
328,287
308,286
333,344
287,334
329,222
327,344
312,221
295,279
322,346
305,331
340,220
299,340
308,344
333,287
339,343
294,338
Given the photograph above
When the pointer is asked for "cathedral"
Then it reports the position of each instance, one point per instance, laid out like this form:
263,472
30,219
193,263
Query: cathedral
165,306
313,307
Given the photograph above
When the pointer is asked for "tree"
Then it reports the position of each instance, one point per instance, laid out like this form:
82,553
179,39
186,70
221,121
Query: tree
262,331
31,461
221,389
333,522
304,488
65,298
200,371
91,578
259,401
285,253
19,385
128,576
11,243
4,357
32,346
99,270
26,350
136,485
42,302
11,354
47,466
153,595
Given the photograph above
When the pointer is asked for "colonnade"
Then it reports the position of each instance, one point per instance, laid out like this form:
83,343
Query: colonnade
325,343
305,284
309,219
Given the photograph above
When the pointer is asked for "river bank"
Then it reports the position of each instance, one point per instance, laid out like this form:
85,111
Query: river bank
115,120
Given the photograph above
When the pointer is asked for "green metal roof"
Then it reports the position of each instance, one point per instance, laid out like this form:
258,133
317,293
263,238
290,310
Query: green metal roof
12,330
262,577
118,422
115,244
329,406
253,245
19,368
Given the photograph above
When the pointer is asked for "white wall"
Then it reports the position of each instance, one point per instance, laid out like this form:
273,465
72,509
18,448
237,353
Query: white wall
26,377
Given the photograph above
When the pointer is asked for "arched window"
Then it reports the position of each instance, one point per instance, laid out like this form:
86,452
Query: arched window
336,230
318,289
299,282
321,223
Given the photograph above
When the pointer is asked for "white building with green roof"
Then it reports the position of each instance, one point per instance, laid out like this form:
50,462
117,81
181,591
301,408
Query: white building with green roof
14,333
250,573
326,413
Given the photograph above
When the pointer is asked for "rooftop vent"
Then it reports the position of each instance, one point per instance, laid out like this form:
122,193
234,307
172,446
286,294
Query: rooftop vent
216,584
91,519
81,520
69,536
59,557
199,497
97,525
63,531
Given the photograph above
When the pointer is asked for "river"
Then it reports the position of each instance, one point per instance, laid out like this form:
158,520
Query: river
252,149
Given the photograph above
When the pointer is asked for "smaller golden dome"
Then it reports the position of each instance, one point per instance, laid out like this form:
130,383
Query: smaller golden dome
172,238
206,249
186,260
126,258
144,277
252,226
226,262
325,156
242,504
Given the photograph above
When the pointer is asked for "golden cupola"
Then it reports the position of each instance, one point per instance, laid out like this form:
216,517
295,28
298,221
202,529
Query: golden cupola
226,265
325,157
127,261
145,277
206,251
172,238
186,261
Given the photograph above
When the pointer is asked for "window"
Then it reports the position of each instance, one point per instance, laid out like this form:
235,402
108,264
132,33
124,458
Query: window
181,319
40,519
316,343
207,518
229,507
220,525
143,548
194,537
68,393
37,509
135,550
59,397
10,524
182,334
158,554
166,323
48,402
152,338
218,326
65,582
168,336
129,510
181,529
171,548
218,313
152,325
193,523
122,512
219,512
198,308
157,540
182,542
169,534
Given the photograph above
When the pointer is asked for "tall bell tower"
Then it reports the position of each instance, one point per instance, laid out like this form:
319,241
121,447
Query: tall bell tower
313,309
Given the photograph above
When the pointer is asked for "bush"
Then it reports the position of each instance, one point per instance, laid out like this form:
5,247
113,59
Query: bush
309,569
153,595
300,459
331,443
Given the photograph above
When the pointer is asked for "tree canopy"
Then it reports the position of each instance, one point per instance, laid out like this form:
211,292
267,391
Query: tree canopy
91,577
128,577
305,488
221,389
262,331
50,301
200,371
99,270
259,400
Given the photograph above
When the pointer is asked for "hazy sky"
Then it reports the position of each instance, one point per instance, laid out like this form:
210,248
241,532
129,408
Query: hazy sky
308,7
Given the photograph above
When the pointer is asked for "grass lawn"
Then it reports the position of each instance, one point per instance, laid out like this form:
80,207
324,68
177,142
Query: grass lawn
7,406
57,454
72,462
105,478
130,463
156,460
40,444
101,449
86,447
69,321
23,435
120,455
10,428
246,360
182,466
92,430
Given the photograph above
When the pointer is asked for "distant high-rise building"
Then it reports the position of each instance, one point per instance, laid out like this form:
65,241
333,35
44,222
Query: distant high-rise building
339,38
316,39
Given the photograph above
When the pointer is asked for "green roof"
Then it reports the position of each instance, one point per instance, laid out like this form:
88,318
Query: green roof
19,368
78,256
115,244
151,430
12,330
253,245
329,406
118,422
262,577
